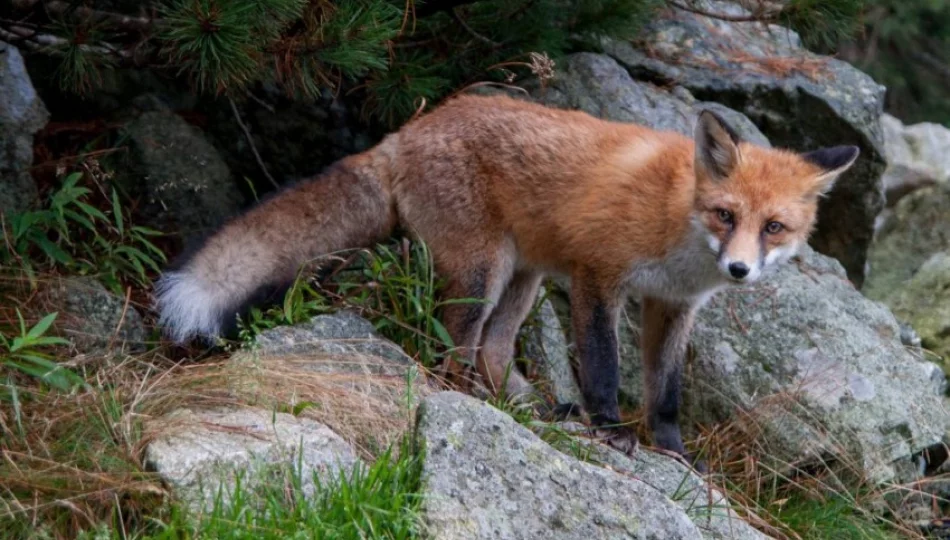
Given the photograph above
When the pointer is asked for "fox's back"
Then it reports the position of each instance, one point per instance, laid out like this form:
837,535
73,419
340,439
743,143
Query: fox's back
559,182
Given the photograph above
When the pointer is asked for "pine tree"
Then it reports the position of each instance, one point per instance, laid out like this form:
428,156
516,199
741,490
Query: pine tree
400,55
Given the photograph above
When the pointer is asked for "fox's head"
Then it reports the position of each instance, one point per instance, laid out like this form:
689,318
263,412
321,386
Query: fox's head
756,206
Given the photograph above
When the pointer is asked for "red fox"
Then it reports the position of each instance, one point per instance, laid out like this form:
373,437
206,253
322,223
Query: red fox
504,192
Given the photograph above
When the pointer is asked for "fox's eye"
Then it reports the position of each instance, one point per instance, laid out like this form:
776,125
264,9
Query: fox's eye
773,227
725,216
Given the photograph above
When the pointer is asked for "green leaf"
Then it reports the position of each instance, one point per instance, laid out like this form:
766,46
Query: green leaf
53,251
42,326
117,213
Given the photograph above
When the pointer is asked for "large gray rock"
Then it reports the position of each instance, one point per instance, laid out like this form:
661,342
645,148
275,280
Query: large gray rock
485,476
819,367
92,318
188,187
200,452
918,227
924,302
344,341
598,85
799,100
22,114
706,505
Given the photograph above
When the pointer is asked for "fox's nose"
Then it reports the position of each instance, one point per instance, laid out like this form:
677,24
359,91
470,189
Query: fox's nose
738,270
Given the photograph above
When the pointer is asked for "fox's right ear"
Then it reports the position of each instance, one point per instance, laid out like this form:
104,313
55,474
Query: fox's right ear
717,147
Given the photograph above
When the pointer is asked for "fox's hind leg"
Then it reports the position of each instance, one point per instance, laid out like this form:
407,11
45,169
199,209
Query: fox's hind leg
500,333
480,276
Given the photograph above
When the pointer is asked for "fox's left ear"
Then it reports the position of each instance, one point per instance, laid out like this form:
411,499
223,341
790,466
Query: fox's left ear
717,147
833,161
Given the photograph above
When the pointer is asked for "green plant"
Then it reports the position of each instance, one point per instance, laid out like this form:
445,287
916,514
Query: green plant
398,289
394,286
23,353
73,234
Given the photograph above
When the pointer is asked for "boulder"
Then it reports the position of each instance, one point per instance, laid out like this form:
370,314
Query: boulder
485,476
345,341
818,367
917,228
706,505
187,186
92,318
916,156
338,371
798,99
22,114
598,85
924,302
202,452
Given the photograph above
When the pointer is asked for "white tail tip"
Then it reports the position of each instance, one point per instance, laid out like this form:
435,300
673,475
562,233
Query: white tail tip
188,308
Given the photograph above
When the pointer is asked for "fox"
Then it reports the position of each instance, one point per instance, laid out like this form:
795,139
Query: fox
506,192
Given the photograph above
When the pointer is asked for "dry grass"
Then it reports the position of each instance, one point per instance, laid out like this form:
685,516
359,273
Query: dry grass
824,492
71,461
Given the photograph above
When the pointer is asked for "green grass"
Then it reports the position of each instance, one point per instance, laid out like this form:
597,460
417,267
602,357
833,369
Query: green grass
378,501
833,517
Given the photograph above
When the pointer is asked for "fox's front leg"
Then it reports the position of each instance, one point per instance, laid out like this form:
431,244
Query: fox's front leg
594,315
663,340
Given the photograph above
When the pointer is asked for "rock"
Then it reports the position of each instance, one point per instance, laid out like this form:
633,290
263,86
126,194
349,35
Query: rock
820,369
22,114
89,316
485,476
918,227
546,344
186,183
917,156
705,505
347,341
798,99
296,138
598,85
924,302
336,366
199,452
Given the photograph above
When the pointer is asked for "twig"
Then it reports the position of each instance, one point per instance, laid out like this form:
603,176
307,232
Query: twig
262,103
471,30
250,141
127,22
125,309
722,16
33,40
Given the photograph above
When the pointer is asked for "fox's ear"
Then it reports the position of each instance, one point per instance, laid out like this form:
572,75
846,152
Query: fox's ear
717,146
833,161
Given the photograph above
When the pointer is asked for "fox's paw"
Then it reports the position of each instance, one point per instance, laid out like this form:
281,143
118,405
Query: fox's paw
561,412
620,438
697,463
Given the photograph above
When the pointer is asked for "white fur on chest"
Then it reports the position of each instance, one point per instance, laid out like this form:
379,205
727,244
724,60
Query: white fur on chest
688,273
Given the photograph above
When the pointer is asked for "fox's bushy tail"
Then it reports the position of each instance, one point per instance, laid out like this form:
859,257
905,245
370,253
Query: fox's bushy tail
347,206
